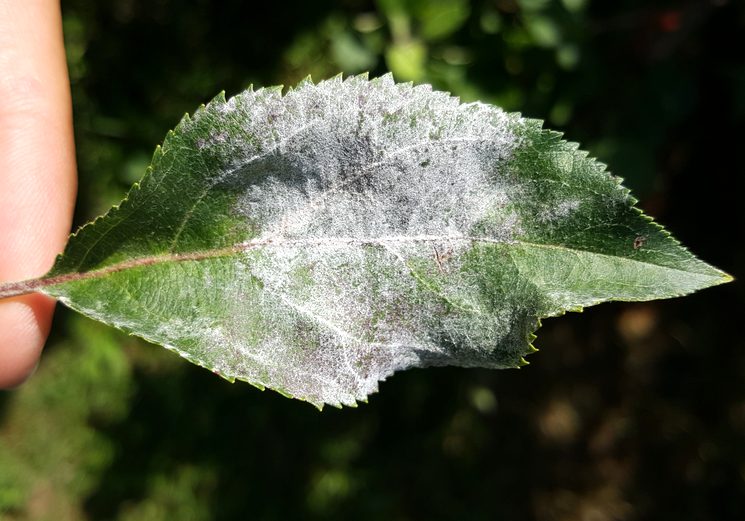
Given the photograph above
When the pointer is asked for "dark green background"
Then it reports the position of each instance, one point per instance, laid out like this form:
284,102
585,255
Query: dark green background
630,411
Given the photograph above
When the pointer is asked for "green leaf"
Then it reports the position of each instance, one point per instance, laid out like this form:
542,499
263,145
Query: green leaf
315,243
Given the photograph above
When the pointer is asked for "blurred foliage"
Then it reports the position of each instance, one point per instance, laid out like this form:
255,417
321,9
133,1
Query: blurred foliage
629,412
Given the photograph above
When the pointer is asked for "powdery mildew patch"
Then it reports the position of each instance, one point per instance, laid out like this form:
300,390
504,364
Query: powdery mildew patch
367,194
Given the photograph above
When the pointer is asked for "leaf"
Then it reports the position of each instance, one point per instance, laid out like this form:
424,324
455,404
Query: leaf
315,243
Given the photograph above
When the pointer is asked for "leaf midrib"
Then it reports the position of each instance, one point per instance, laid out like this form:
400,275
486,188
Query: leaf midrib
45,282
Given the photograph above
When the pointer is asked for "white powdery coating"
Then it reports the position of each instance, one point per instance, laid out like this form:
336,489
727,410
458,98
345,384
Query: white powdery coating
352,184
558,211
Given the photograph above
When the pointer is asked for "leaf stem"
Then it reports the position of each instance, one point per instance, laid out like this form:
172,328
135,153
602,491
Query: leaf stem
24,287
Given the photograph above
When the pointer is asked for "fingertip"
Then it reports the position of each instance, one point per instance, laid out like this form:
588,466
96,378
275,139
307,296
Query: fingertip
24,327
37,172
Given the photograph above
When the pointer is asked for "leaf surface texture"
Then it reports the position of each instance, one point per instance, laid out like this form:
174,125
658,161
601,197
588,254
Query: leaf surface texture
318,241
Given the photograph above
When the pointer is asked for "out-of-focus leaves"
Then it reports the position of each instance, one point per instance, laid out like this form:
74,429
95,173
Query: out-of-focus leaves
50,449
657,420
440,19
351,54
574,5
543,30
407,60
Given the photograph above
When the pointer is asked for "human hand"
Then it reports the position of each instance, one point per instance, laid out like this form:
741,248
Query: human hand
37,172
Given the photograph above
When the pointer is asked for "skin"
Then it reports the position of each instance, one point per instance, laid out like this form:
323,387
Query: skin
37,172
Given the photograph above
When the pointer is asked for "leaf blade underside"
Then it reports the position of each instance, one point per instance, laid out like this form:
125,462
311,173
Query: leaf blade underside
318,241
